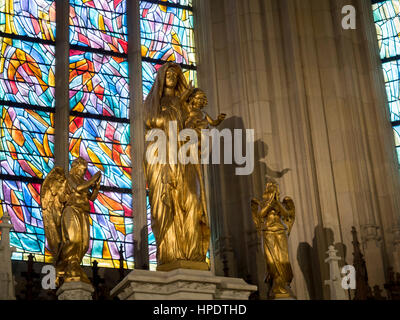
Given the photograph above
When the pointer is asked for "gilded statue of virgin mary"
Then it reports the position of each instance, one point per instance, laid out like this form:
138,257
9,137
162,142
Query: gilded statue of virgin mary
176,191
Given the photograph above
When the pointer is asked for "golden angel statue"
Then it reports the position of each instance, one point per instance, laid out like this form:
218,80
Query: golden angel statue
274,221
65,206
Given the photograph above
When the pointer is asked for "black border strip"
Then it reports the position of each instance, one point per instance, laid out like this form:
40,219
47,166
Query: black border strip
26,106
98,51
97,9
7,177
159,61
98,117
20,178
169,4
26,38
395,58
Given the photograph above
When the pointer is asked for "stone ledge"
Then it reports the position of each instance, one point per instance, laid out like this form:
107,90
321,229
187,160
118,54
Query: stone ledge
181,284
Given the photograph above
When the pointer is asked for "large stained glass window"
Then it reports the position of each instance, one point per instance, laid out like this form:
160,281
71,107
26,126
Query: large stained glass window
387,22
166,29
27,106
99,122
99,129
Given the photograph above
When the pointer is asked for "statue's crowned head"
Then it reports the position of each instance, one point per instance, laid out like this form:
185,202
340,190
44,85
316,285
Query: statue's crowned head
79,167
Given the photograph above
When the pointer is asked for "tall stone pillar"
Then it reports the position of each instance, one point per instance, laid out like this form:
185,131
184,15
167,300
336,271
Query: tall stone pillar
61,120
140,233
386,170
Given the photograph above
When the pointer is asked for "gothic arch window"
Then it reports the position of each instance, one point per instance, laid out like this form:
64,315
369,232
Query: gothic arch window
100,96
387,21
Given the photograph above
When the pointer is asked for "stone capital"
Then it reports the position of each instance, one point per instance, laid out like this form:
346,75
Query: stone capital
370,232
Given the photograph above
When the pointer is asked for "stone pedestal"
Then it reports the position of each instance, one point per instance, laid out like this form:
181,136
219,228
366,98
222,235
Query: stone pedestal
75,291
181,284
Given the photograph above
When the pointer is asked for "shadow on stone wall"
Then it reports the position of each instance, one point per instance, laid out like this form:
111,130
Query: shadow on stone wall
230,210
312,264
262,168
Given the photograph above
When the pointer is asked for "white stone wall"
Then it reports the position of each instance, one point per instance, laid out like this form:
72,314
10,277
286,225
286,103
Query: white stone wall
314,94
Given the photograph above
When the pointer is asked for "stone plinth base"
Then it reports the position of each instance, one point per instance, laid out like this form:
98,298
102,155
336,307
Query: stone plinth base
181,284
75,291
183,264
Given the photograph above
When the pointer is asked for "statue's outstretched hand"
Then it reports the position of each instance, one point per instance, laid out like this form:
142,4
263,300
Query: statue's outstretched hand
222,117
96,178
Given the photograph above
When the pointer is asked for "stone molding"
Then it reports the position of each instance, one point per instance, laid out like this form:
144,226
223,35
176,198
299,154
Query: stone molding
181,284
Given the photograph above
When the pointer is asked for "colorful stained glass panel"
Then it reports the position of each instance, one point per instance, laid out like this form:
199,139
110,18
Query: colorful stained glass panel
391,72
26,142
99,24
99,84
21,201
27,72
181,2
387,22
31,18
113,227
113,203
105,145
396,132
106,253
187,3
167,33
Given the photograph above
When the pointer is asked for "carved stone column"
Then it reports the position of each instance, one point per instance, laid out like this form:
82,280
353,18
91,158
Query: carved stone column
372,244
61,120
396,249
141,252
7,291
